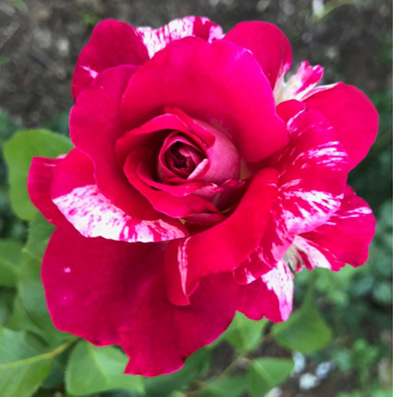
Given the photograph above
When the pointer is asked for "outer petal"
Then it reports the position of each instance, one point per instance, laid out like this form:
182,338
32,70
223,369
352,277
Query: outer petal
269,45
118,296
352,115
76,195
38,185
300,84
112,43
219,83
95,126
223,247
313,170
270,296
343,239
157,39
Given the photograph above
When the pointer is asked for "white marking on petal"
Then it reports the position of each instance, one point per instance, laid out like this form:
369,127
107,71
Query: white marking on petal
311,206
93,215
355,213
315,257
157,39
67,270
280,281
182,260
93,74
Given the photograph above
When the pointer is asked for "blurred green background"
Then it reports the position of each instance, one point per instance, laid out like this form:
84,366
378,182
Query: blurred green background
345,318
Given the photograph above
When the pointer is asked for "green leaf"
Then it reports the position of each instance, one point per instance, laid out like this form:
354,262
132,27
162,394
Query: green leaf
305,331
245,334
10,254
266,373
40,231
24,363
30,288
162,386
18,152
228,386
32,294
92,369
7,296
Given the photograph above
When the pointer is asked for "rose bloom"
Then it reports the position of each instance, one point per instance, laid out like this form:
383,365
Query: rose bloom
202,178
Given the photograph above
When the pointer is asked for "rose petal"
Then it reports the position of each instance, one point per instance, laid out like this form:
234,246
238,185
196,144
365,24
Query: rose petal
352,115
95,126
219,83
117,296
300,84
112,43
137,171
313,171
223,247
288,109
157,39
39,182
77,197
269,45
343,239
270,296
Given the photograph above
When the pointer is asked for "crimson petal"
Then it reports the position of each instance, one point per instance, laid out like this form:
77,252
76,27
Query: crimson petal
269,296
222,247
39,184
95,126
352,115
343,239
219,83
76,195
269,45
117,296
157,39
112,43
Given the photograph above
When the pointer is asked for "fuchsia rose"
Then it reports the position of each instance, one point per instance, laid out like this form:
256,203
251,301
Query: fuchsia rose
202,178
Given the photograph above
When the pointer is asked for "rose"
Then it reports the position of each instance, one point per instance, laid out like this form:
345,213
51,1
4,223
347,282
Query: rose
201,176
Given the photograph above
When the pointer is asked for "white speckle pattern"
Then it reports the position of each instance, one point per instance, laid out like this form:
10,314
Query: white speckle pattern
280,280
311,207
182,260
93,215
93,74
315,257
157,39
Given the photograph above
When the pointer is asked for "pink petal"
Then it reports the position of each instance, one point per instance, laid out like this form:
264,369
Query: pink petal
288,109
218,83
77,197
269,45
273,245
313,171
222,247
352,115
343,239
95,126
113,293
300,84
157,39
112,43
38,185
138,173
270,296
